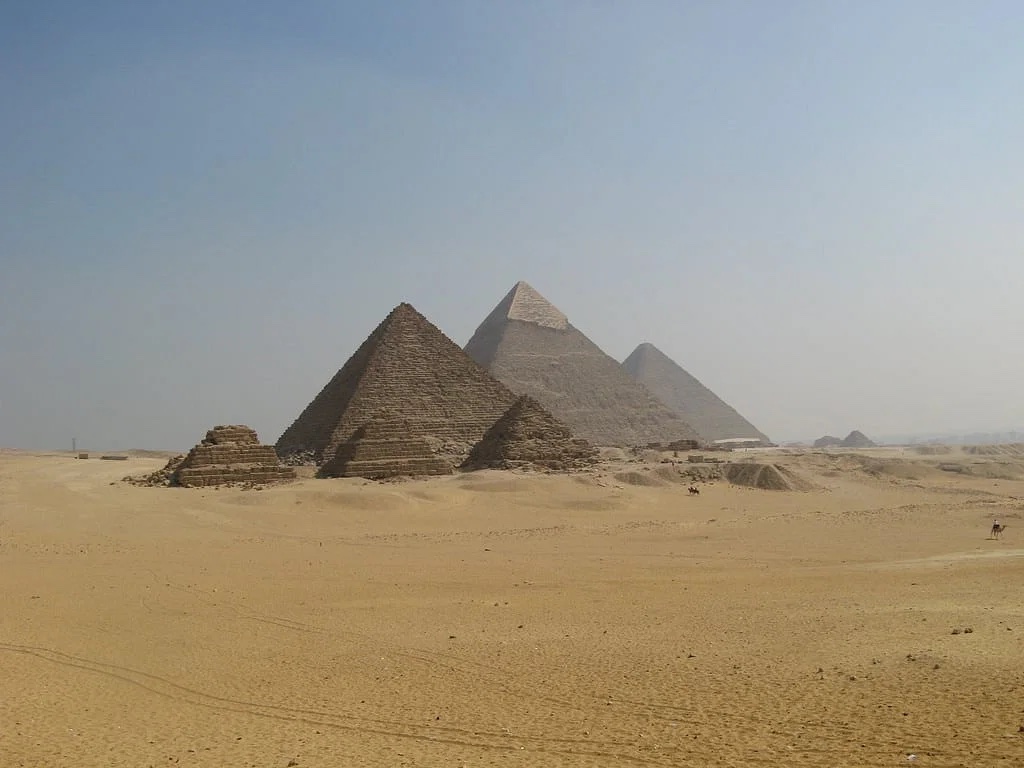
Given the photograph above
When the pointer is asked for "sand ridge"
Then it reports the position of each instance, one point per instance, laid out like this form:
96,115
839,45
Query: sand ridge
501,618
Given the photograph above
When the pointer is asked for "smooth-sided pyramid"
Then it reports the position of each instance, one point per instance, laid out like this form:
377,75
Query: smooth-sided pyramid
531,347
528,436
409,369
712,417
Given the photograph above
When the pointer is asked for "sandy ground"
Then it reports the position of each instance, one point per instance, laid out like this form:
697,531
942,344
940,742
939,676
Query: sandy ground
512,620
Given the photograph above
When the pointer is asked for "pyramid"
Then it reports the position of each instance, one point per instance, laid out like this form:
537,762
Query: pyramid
386,446
708,413
411,371
528,436
532,348
229,454
857,439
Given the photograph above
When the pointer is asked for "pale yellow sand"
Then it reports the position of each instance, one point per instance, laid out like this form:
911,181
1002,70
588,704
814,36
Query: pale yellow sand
510,620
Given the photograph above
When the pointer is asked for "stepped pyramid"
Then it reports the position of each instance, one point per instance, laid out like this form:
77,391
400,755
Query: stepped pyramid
531,347
708,413
385,446
229,454
528,436
411,371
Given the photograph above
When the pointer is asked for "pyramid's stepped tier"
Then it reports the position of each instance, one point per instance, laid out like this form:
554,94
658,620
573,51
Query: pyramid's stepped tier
236,433
410,368
569,375
205,455
387,446
259,474
712,417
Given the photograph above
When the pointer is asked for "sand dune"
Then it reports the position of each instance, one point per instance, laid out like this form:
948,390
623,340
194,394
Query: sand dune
513,619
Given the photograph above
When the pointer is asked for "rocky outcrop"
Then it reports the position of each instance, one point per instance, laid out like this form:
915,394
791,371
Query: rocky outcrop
527,436
530,346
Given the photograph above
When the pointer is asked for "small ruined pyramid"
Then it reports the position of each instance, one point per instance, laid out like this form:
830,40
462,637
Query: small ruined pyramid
531,347
228,454
406,372
857,439
528,436
712,417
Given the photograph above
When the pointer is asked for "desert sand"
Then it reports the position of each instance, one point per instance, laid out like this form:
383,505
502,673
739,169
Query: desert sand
513,619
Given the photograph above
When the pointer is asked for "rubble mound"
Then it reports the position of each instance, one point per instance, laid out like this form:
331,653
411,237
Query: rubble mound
642,479
768,477
162,477
527,436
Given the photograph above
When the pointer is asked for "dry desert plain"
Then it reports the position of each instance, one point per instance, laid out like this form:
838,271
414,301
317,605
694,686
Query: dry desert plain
513,619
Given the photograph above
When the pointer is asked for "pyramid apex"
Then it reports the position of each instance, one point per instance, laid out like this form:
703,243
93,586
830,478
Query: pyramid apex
525,304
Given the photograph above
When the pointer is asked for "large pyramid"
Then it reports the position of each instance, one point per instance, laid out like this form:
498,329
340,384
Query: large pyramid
411,371
706,411
531,347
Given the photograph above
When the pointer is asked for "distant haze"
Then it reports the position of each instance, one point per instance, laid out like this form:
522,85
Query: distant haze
817,209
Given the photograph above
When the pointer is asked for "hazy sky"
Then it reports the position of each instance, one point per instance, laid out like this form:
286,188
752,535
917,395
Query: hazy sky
817,208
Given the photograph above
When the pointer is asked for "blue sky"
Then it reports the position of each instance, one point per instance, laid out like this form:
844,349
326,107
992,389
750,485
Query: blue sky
817,208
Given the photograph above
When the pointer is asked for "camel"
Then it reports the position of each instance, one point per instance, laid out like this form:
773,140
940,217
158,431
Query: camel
997,530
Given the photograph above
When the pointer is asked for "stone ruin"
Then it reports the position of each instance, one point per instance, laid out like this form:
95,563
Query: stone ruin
228,455
386,446
527,436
